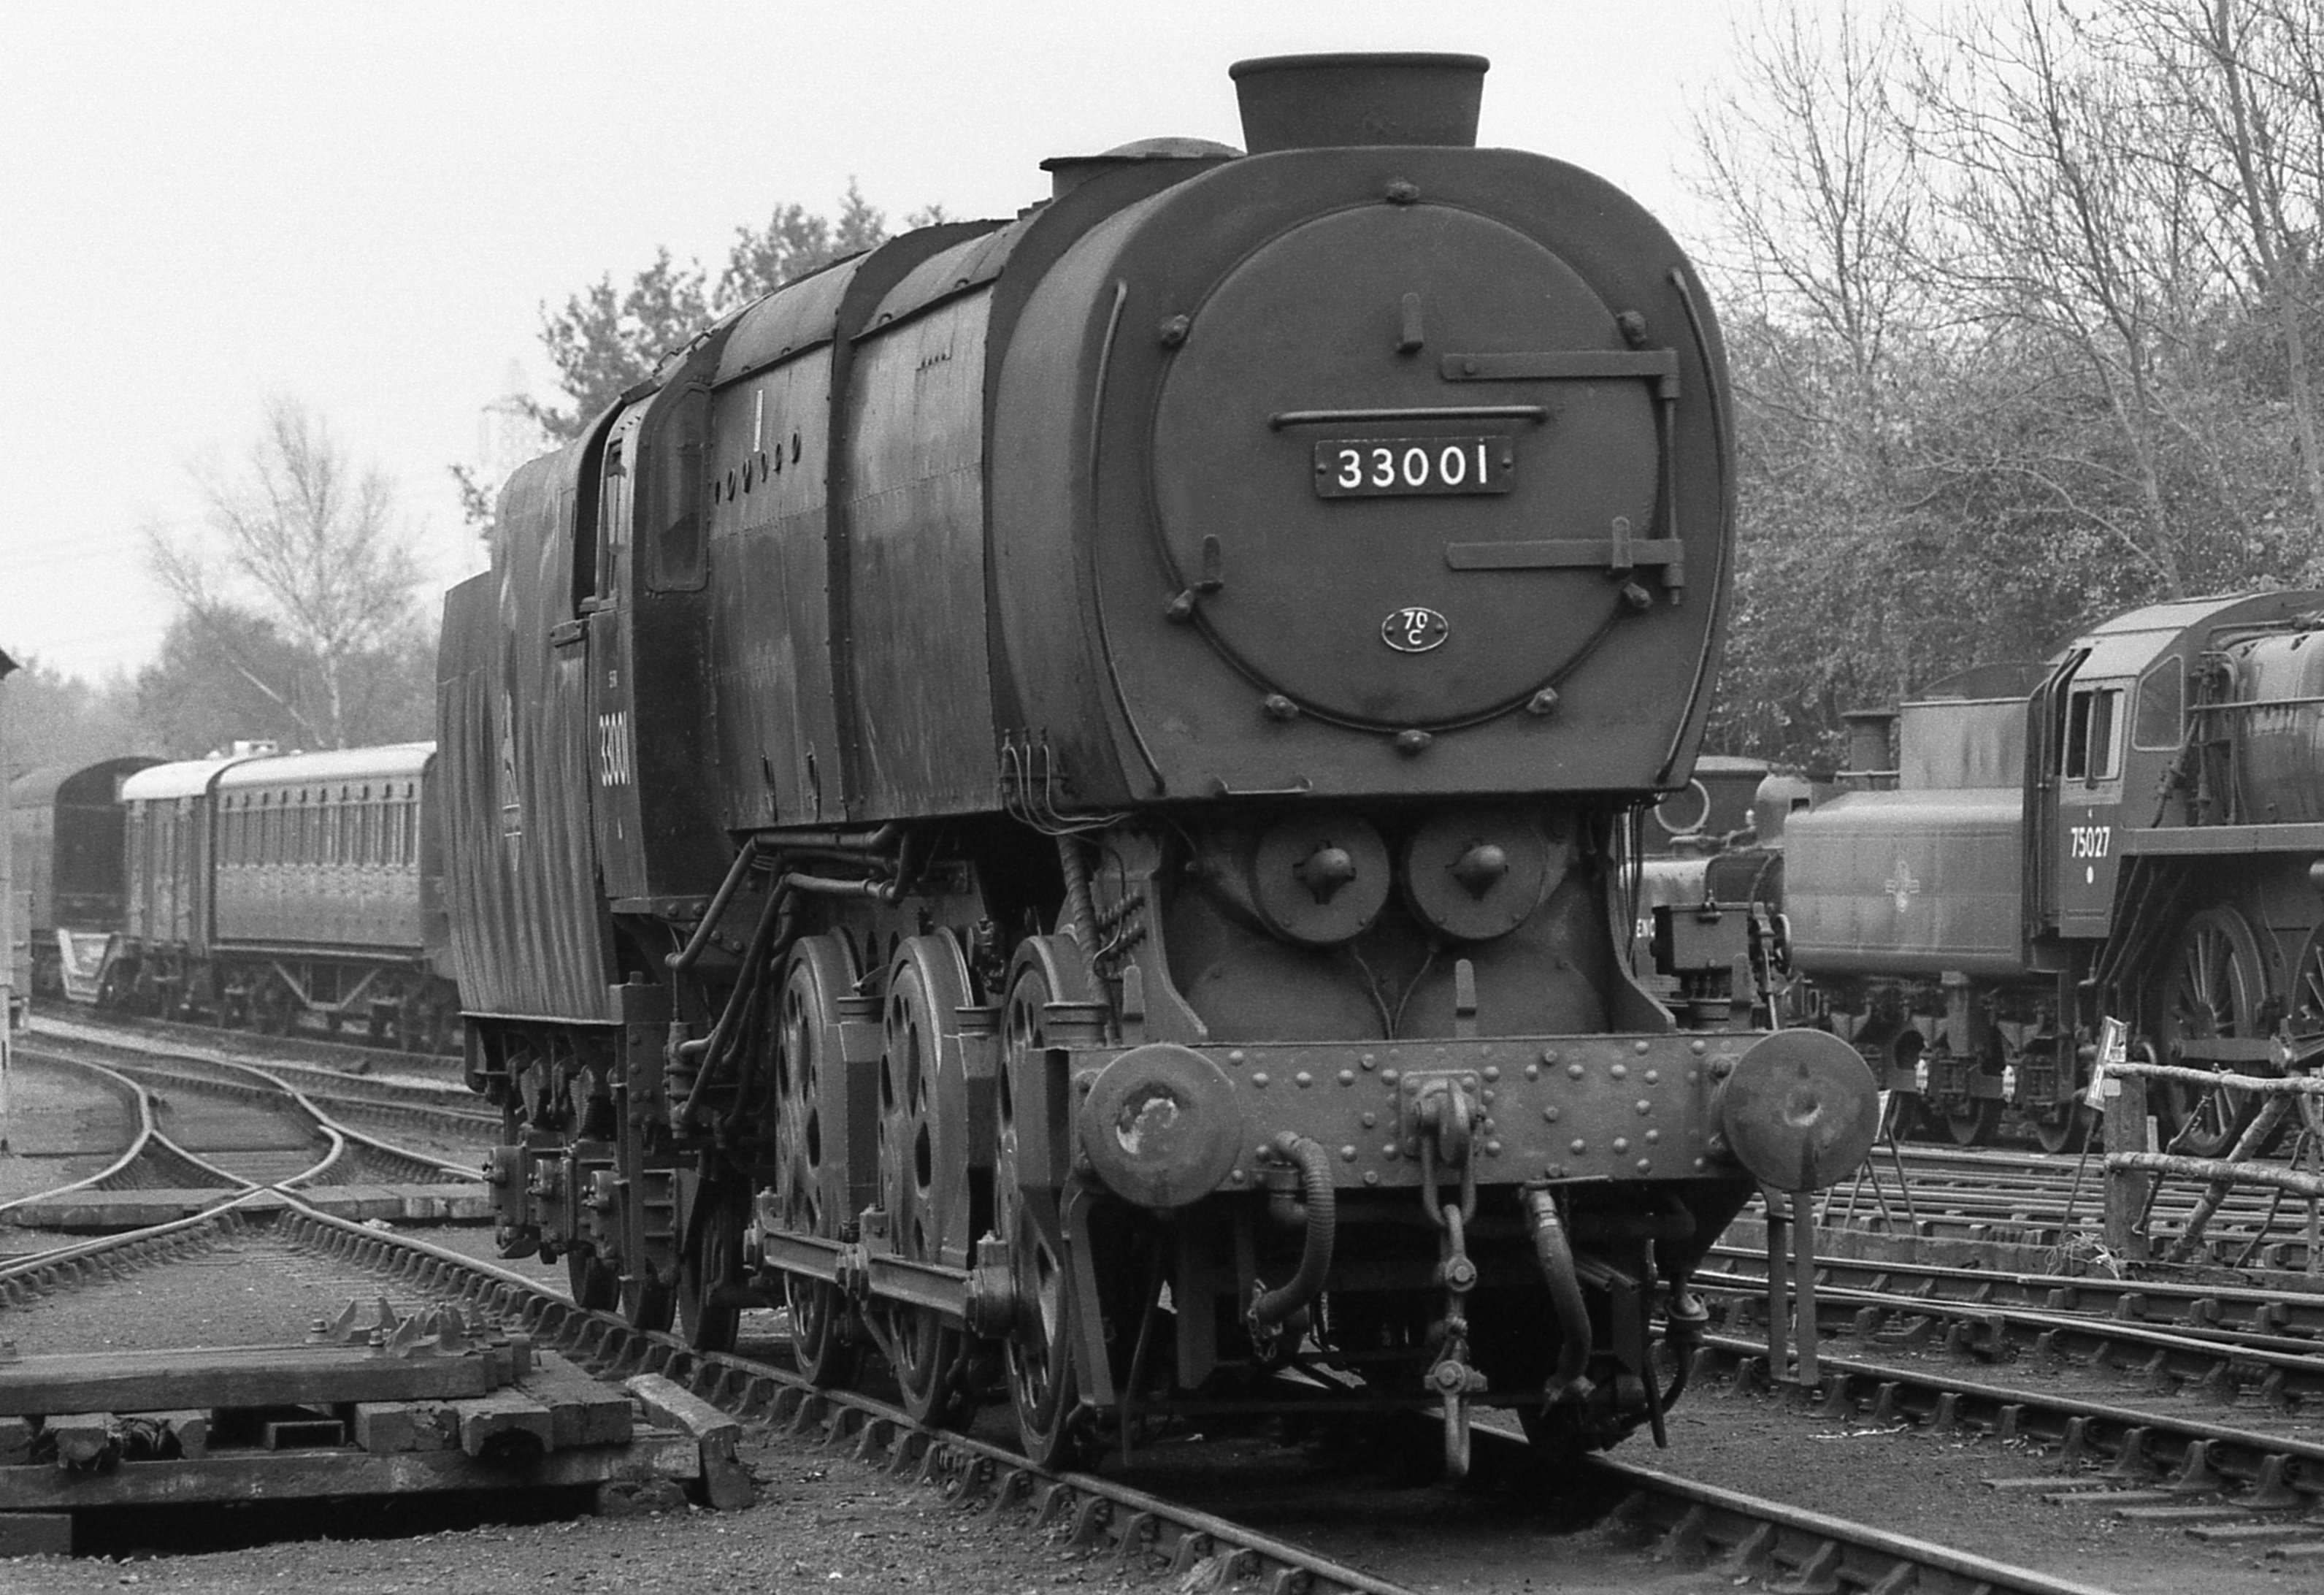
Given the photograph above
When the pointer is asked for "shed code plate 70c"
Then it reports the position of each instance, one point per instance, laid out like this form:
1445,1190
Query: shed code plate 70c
1388,467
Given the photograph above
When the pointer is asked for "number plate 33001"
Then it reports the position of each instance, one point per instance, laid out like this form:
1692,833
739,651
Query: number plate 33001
1402,468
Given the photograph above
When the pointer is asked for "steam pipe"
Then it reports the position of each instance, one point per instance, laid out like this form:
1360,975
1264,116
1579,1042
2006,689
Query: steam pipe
1270,1308
1555,1254
877,841
1080,917
772,920
844,843
683,959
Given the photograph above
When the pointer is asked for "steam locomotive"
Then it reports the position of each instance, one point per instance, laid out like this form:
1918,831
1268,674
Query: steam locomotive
2133,830
1057,796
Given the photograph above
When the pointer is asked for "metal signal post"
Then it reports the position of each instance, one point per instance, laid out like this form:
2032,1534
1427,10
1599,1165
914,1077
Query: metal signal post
8,911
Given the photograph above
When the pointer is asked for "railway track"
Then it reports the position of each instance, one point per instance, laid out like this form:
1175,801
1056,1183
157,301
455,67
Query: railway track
449,1114
1109,1519
298,1046
2194,1463
224,1135
2038,1198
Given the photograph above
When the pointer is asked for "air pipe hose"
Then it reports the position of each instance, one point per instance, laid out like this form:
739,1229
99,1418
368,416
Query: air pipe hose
1571,1382
1271,1309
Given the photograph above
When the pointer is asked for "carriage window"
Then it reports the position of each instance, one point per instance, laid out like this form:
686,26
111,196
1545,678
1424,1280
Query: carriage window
2162,692
2093,753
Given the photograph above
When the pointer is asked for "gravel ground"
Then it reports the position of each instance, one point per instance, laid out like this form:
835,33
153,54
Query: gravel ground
53,1115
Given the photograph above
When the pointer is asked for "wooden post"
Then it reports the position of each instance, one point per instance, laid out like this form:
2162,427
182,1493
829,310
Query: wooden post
1779,1312
1804,1286
2127,1188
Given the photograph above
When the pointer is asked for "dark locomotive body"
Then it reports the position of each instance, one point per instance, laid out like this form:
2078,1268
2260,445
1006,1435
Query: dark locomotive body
1053,795
66,828
279,892
2129,831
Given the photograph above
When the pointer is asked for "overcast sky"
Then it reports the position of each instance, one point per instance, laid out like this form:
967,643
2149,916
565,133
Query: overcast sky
364,206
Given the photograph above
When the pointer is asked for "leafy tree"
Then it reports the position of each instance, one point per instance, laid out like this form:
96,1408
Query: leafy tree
298,583
609,337
606,340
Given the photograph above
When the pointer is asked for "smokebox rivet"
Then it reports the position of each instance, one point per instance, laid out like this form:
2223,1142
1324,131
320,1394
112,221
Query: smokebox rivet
1542,702
1173,331
1403,192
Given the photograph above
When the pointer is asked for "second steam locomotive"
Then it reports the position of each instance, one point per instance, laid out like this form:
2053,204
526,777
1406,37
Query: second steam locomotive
2134,830
1056,797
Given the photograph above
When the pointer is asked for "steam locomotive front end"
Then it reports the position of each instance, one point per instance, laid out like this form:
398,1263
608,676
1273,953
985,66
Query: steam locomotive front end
1360,522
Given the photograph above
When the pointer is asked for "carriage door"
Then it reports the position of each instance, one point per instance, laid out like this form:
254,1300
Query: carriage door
2089,805
613,731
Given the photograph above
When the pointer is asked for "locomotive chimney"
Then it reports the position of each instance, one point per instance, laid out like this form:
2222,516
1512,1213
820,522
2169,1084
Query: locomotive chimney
1305,102
1869,757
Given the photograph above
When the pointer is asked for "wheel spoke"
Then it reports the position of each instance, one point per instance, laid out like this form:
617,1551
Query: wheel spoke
2218,986
810,1172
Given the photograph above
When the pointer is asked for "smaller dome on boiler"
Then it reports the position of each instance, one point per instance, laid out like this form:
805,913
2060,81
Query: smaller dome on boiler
1068,172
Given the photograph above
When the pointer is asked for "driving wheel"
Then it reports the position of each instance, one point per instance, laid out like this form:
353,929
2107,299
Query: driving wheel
710,1271
594,1282
1037,1355
924,1164
811,1156
2214,984
2065,1127
1900,1106
648,1304
1973,1123
2308,1016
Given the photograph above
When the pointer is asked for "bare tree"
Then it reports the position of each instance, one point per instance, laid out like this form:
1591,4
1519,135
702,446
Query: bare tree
303,537
2246,77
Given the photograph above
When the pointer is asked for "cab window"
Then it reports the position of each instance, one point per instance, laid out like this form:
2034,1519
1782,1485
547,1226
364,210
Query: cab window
2093,750
2162,695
